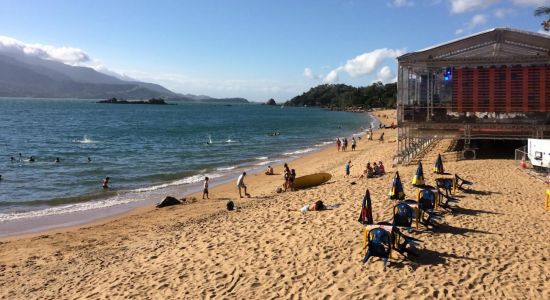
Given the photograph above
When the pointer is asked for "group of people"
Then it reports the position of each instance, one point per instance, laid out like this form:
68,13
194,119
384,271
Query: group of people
289,175
342,145
374,171
32,159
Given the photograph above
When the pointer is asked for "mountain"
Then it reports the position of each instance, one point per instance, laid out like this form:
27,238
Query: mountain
29,76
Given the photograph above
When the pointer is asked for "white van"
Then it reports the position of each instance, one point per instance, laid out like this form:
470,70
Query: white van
539,153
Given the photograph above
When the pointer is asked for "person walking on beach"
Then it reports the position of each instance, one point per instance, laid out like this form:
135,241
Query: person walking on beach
348,167
345,144
353,144
241,185
370,134
205,188
338,144
381,139
106,183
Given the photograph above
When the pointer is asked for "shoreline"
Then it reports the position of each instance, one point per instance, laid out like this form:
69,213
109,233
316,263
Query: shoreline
54,223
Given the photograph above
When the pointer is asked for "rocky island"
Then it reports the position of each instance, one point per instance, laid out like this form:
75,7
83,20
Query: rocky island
155,101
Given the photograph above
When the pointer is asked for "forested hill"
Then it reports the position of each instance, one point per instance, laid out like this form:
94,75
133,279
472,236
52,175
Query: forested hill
341,96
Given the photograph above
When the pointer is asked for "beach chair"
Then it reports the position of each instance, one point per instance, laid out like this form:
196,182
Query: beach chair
402,215
449,185
378,245
443,200
459,182
426,208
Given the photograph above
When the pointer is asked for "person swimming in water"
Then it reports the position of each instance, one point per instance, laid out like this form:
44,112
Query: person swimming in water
106,183
57,160
31,159
89,159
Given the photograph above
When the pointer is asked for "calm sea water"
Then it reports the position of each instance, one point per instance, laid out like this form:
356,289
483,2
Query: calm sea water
147,150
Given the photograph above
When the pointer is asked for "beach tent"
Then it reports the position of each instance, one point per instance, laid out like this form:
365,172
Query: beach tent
418,179
396,190
366,210
438,166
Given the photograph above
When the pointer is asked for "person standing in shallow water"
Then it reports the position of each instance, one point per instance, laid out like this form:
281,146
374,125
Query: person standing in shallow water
205,188
106,183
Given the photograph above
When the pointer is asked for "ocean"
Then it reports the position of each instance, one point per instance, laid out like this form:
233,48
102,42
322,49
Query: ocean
148,151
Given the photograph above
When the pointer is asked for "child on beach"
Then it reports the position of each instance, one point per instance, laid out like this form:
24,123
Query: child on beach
205,188
348,167
381,168
291,179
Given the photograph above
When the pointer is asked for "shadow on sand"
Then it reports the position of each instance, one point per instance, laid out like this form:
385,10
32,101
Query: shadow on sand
471,212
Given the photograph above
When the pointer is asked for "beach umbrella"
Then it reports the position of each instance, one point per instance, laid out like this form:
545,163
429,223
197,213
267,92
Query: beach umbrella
396,190
366,210
438,166
418,179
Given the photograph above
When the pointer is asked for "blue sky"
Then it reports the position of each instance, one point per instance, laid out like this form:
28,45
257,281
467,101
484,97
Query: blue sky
252,49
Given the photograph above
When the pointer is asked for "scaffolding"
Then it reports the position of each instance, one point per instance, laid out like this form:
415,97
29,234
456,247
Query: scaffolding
490,85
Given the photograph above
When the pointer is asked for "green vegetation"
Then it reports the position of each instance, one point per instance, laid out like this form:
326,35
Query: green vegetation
544,11
341,96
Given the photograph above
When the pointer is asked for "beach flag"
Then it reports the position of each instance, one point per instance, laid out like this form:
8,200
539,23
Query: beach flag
396,190
418,179
438,166
366,210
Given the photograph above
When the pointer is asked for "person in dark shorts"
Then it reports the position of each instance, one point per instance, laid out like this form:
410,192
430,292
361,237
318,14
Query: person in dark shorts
205,188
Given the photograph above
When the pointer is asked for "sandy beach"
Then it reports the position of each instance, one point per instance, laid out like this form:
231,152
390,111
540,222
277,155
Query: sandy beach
493,245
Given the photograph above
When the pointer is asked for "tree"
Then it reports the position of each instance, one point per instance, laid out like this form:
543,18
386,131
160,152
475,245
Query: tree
544,11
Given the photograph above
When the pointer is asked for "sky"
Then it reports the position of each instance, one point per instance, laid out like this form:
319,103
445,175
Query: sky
256,49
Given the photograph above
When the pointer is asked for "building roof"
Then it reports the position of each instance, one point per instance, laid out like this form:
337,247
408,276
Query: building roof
497,44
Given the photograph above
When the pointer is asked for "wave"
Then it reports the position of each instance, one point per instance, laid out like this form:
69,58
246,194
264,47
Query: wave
299,151
267,162
187,180
85,140
323,144
226,168
229,141
58,210
262,158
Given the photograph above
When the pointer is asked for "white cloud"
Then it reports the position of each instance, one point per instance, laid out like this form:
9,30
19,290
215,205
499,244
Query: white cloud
503,12
400,3
68,55
363,64
461,6
476,21
385,75
531,2
308,73
332,76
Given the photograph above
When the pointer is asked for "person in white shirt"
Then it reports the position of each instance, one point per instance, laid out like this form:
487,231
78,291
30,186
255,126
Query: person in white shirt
241,185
